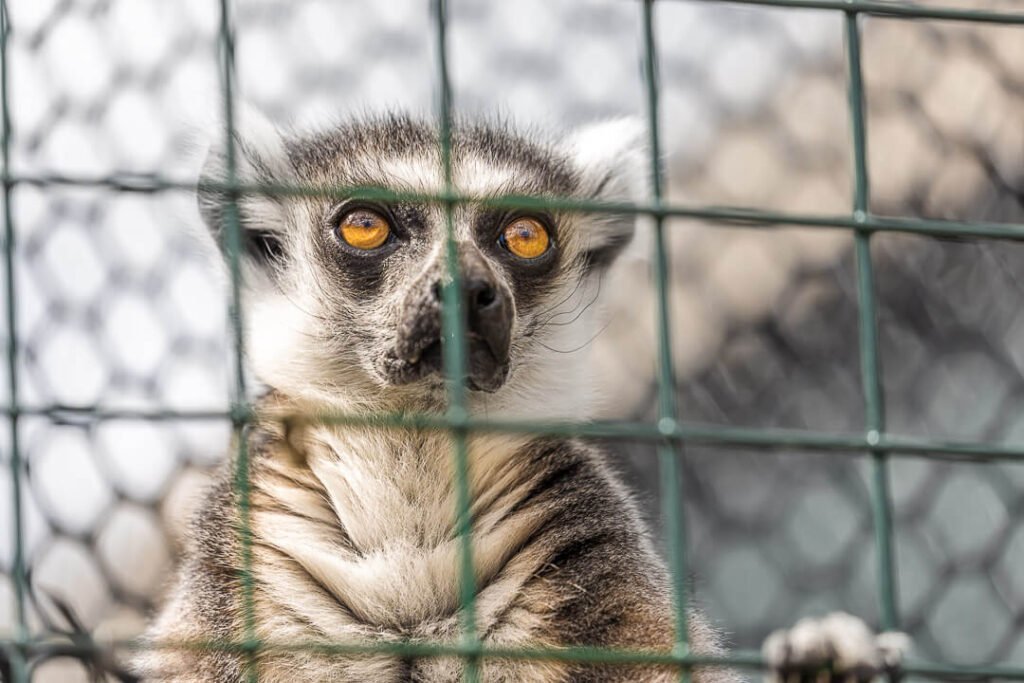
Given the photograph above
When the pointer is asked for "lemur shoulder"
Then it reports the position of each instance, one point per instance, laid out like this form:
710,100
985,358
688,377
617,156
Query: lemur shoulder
354,527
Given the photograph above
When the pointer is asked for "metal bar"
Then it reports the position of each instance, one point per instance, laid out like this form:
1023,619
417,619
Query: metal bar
407,649
685,433
669,451
12,655
739,216
887,8
18,573
233,244
454,353
738,658
870,373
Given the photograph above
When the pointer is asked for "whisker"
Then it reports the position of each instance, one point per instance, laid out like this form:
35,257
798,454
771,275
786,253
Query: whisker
302,310
579,282
581,346
583,310
576,309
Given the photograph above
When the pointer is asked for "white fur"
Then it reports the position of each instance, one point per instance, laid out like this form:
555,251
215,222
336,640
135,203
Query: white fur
612,157
616,145
551,380
840,640
357,533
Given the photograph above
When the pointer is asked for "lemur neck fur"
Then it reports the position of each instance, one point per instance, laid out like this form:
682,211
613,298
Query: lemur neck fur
370,512
390,485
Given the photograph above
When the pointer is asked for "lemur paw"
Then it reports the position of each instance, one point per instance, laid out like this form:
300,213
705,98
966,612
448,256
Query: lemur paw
839,647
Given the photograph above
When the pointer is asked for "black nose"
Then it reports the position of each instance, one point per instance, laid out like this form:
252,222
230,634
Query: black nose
488,315
489,328
480,296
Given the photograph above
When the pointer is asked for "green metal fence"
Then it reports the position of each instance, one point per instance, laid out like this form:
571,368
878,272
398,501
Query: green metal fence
668,432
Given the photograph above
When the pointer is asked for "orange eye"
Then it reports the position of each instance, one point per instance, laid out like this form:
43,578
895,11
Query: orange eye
364,229
526,238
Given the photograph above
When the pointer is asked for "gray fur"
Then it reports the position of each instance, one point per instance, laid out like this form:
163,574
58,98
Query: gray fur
354,528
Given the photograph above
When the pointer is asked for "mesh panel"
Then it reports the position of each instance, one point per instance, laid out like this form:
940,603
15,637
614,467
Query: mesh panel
752,370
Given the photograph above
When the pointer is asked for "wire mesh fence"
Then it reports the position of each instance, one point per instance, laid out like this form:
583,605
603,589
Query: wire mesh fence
753,334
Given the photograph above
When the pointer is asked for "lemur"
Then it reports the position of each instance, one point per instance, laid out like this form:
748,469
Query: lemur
353,528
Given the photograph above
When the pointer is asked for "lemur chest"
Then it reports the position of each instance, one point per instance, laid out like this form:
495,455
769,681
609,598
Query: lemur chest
371,543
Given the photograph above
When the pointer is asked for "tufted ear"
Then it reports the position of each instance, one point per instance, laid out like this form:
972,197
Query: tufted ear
610,158
260,158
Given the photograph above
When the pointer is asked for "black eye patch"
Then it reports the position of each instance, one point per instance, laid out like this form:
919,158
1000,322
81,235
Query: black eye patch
529,280
410,218
363,272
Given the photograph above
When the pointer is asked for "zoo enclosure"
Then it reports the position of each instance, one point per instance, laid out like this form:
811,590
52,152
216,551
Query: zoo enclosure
668,431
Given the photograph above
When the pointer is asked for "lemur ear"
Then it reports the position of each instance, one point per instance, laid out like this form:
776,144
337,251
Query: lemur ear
611,159
260,158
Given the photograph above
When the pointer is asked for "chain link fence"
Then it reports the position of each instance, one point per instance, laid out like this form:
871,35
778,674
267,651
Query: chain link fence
118,308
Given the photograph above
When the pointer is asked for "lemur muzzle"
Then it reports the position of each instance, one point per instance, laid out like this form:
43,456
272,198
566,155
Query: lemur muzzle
488,311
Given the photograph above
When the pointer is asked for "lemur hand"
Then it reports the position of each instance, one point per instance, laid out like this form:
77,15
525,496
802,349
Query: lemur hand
837,648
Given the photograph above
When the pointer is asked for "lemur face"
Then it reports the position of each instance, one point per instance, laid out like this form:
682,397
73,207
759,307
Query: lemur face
344,294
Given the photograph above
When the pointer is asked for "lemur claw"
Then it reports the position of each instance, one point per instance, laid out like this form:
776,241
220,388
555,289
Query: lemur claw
838,647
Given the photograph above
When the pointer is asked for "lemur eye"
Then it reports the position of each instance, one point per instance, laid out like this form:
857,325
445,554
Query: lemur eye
526,238
364,229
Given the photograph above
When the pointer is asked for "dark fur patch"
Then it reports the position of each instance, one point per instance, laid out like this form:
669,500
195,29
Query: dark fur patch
349,154
363,273
603,256
530,280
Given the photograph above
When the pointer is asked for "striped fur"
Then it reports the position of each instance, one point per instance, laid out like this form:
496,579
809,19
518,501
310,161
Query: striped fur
342,554
354,534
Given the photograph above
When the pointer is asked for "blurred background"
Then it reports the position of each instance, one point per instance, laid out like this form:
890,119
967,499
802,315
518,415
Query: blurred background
119,307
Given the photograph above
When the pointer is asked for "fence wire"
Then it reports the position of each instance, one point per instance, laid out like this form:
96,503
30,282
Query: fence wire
776,378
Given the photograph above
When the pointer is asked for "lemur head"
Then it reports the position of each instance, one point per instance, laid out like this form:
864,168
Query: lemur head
343,295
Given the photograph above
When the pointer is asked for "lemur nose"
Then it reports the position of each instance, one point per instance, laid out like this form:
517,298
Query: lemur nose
488,310
480,295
